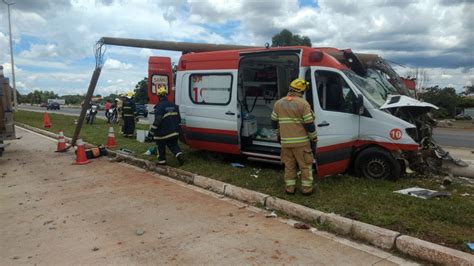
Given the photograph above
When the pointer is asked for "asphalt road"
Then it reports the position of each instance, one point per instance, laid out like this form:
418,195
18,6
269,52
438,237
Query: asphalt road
70,111
462,138
54,212
451,137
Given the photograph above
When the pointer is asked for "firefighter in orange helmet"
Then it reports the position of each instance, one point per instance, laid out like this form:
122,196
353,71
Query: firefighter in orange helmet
293,117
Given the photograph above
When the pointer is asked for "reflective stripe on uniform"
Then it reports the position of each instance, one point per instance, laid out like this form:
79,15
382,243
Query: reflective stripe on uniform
274,116
167,136
290,182
294,140
308,117
170,114
127,107
312,134
289,120
128,115
308,182
153,126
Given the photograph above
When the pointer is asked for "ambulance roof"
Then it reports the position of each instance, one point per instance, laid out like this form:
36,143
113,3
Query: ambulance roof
229,59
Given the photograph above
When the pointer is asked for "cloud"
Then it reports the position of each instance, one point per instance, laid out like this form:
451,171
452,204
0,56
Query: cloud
53,36
40,50
113,64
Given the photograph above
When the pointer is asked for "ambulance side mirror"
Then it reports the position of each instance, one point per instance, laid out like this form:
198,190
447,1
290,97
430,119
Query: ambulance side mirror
359,104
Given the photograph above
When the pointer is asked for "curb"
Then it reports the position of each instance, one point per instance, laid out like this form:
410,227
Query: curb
377,236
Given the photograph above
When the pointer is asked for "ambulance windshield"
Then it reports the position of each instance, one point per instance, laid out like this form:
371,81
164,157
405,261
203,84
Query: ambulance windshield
375,92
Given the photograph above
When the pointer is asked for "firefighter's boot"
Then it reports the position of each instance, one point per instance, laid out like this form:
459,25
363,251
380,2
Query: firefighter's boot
291,190
180,158
306,191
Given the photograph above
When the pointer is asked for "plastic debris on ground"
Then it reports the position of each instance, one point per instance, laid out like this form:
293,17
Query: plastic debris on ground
151,151
470,246
271,215
125,151
256,173
237,165
423,193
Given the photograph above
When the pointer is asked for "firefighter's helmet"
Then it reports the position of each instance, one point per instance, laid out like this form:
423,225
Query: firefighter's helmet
299,85
161,91
130,94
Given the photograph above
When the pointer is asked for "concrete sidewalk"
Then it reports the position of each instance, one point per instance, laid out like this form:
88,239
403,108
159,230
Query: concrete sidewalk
54,212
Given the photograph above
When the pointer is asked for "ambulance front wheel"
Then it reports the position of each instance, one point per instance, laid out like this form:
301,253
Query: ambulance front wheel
376,163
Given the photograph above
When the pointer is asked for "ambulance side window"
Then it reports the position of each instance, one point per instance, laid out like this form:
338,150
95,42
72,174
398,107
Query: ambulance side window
334,93
213,89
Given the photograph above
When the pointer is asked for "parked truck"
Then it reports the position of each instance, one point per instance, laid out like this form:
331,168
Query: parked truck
7,126
226,99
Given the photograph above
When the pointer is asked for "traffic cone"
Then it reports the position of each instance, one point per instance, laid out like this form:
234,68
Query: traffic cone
46,121
81,157
61,142
111,138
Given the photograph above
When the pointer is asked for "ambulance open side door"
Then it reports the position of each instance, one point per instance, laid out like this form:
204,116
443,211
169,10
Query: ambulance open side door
337,121
208,105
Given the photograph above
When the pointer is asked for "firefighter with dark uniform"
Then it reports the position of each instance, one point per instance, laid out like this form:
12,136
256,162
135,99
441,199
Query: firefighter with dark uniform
128,115
165,129
293,118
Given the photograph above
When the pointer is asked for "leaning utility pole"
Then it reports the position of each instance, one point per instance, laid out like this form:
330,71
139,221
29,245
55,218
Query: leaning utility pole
15,100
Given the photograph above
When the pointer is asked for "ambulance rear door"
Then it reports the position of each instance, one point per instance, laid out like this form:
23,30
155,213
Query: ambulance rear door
159,74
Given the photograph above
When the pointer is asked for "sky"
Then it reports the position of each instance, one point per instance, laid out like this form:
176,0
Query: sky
53,40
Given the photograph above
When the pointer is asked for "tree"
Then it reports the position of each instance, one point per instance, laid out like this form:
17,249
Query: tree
287,38
446,99
141,91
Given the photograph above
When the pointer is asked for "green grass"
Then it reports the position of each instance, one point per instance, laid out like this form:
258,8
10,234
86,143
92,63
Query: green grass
447,221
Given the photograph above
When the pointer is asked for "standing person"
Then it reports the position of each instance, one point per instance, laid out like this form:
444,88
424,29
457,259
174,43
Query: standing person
128,116
293,117
107,108
119,108
165,129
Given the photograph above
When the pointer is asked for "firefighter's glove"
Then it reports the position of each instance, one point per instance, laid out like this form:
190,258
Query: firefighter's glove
149,138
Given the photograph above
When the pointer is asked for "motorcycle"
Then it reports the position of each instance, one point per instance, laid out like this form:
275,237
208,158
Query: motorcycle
91,113
112,115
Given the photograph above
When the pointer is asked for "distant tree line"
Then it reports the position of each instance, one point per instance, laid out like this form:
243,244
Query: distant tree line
449,102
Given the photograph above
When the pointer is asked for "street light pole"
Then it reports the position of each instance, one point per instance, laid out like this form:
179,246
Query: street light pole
15,100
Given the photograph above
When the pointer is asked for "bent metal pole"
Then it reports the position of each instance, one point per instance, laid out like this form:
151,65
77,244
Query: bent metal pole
185,47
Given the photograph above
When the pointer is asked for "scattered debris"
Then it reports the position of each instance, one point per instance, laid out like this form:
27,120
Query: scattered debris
465,194
95,249
301,226
423,193
16,258
47,222
231,214
243,206
447,180
140,232
251,215
126,151
237,165
271,215
470,246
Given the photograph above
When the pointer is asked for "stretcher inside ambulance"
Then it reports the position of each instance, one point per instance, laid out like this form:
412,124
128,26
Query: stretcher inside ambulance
226,99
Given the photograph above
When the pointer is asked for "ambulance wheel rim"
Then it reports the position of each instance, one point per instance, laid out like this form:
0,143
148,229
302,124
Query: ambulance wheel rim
377,168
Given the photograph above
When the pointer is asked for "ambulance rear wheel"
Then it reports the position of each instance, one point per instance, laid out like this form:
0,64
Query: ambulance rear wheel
376,163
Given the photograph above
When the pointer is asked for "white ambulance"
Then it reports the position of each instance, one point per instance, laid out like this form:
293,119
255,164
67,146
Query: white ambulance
226,99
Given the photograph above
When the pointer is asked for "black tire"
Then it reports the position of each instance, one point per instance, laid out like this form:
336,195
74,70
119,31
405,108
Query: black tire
376,163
